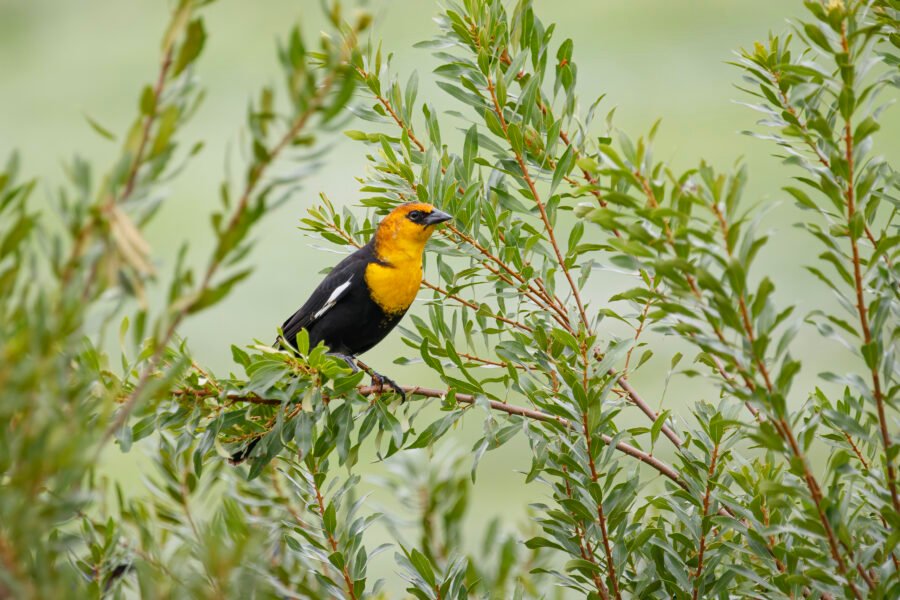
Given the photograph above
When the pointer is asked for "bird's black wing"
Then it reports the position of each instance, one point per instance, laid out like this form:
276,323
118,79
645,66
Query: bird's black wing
348,273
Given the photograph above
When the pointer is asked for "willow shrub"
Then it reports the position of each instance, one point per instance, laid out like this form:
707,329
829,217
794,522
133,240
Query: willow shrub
542,196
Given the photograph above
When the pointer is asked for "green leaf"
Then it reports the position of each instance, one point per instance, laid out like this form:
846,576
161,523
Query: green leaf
857,225
815,34
847,102
562,167
871,354
192,47
493,123
470,149
658,425
148,101
516,141
587,163
329,519
423,566
100,129
179,21
302,341
435,430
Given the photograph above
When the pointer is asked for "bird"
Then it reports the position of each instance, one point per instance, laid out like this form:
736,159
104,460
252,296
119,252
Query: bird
365,295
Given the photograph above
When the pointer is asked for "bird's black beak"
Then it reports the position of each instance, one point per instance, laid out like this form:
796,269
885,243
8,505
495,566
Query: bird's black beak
436,216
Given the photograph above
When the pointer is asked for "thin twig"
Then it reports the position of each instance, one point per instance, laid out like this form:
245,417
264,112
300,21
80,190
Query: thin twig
592,181
475,306
642,320
148,123
467,399
860,298
216,261
706,498
183,494
785,431
96,216
692,283
601,517
584,547
333,542
642,404
808,138
523,166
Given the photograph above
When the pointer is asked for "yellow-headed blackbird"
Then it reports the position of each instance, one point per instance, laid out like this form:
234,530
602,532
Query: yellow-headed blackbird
361,300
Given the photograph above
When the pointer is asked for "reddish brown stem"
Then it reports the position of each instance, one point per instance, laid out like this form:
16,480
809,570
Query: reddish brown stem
537,294
642,320
523,166
474,306
539,302
332,542
587,553
861,302
467,399
706,498
593,181
645,408
601,518
784,429
536,415
390,109
808,139
85,232
488,361
856,450
215,262
148,123
584,547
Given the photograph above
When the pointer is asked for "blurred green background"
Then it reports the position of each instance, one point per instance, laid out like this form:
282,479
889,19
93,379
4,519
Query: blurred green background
654,59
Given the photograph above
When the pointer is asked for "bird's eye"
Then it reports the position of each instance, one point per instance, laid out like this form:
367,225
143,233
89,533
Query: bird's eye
415,215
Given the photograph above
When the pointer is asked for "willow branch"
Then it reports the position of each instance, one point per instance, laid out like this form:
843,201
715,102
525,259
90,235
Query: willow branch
588,177
320,500
465,399
807,137
695,289
584,547
216,261
860,299
703,519
523,166
85,232
601,517
784,429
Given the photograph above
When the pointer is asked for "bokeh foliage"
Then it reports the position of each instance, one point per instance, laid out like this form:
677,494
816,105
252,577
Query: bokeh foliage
543,196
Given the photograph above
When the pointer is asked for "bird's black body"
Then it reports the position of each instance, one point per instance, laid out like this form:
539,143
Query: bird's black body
353,323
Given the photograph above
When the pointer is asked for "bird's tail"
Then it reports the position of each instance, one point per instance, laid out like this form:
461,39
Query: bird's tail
244,453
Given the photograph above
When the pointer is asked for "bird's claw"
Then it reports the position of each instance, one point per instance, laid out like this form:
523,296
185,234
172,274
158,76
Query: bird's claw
380,380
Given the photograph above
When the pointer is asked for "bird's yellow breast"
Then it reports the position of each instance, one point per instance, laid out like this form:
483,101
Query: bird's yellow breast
394,287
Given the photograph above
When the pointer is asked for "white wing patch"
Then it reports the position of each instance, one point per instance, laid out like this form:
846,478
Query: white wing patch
333,298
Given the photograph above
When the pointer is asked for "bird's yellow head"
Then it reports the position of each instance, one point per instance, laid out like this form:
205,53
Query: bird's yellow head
403,233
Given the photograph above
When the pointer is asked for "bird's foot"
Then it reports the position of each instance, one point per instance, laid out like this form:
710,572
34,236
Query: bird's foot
379,380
